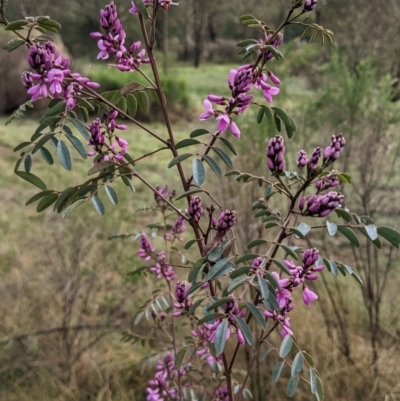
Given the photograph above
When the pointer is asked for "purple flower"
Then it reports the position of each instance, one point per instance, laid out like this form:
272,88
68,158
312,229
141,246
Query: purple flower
240,82
202,333
275,154
27,79
162,268
302,159
221,394
55,78
281,319
38,91
315,156
163,386
310,5
227,220
310,256
100,132
322,205
183,302
178,228
333,151
41,57
146,248
224,122
195,209
304,272
282,294
308,296
276,41
161,194
255,266
329,181
209,111
302,202
224,119
113,42
50,76
286,328
274,79
232,310
268,90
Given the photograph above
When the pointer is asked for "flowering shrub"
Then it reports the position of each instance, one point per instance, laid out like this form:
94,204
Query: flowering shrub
223,290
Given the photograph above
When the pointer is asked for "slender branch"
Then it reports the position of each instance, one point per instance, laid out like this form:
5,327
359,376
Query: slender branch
250,367
209,195
121,112
145,182
149,154
161,96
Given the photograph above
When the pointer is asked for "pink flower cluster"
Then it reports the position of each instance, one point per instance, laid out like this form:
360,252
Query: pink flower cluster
178,228
162,268
321,205
146,248
162,386
231,309
240,82
183,301
221,394
100,132
195,209
276,154
52,76
330,155
299,276
203,333
269,40
113,42
227,219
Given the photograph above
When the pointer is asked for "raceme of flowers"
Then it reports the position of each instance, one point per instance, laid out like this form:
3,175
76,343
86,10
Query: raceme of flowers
319,205
105,144
162,386
299,277
240,82
112,42
147,251
52,77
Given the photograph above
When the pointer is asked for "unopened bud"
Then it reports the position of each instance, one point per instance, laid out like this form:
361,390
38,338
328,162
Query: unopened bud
310,5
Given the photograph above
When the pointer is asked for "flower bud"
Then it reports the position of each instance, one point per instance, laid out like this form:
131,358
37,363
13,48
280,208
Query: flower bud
310,256
195,209
302,202
310,5
323,205
275,154
315,156
227,220
333,151
326,182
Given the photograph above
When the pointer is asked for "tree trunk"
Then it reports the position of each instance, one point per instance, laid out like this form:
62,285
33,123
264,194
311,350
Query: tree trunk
200,18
